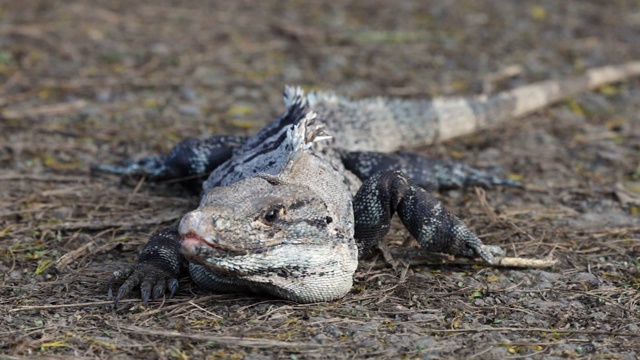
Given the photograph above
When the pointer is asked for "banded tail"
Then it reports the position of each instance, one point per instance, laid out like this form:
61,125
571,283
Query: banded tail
391,124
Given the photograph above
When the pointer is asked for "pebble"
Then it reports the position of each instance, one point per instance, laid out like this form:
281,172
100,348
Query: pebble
188,110
423,317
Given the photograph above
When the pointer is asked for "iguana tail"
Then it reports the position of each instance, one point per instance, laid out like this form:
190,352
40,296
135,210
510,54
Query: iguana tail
390,124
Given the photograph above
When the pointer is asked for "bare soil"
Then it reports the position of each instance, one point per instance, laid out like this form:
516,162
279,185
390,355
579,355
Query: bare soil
87,82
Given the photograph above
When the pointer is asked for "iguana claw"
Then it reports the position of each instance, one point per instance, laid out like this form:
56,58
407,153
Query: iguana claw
153,282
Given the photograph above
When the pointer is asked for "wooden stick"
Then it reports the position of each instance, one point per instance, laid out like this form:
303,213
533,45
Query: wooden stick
52,109
413,257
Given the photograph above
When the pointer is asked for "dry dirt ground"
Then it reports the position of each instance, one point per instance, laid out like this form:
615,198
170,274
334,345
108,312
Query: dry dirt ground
87,82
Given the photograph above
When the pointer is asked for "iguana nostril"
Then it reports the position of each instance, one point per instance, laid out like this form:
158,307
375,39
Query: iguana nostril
190,222
220,223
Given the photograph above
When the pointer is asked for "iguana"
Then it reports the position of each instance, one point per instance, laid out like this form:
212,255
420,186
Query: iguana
290,210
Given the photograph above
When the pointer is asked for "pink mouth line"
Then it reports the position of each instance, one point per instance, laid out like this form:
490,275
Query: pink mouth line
192,241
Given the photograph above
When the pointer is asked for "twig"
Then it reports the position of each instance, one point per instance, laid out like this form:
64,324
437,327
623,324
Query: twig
218,339
128,224
76,84
557,331
84,250
193,303
488,210
519,262
490,80
171,307
36,33
43,178
135,191
52,109
64,306
70,257
414,257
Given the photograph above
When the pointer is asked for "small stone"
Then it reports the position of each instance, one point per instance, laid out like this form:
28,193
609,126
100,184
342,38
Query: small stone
103,96
187,93
159,49
15,275
423,317
321,338
188,110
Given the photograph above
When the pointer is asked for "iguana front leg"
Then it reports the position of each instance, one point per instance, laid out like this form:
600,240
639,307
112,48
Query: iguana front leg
189,161
157,269
435,227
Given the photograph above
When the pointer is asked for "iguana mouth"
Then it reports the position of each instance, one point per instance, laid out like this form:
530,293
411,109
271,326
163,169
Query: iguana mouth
194,245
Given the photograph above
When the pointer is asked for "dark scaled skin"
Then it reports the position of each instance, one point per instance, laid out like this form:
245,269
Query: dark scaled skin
383,194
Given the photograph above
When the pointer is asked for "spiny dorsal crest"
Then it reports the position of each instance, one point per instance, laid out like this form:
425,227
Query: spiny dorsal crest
303,133
326,97
294,96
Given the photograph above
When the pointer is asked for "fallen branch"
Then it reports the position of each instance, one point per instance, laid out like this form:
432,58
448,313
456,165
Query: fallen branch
86,249
514,262
53,109
70,257
414,257
180,302
519,262
43,178
551,331
66,306
165,308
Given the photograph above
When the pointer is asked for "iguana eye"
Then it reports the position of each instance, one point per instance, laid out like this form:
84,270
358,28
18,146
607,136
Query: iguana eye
273,214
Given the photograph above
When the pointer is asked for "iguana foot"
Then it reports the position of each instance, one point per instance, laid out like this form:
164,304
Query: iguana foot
157,270
153,282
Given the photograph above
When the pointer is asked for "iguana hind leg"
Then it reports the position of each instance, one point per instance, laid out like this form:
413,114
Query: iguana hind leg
430,174
435,227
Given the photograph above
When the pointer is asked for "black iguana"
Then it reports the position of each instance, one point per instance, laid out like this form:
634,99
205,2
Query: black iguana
290,210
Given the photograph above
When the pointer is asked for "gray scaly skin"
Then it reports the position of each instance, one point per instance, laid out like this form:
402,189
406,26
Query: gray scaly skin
290,210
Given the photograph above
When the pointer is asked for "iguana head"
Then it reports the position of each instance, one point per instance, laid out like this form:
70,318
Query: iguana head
276,237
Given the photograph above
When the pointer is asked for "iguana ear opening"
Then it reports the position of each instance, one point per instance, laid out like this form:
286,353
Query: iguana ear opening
271,179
